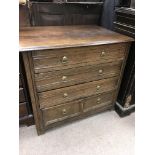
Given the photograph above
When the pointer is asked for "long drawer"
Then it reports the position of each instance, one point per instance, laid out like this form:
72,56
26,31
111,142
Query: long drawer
59,96
74,108
50,60
58,79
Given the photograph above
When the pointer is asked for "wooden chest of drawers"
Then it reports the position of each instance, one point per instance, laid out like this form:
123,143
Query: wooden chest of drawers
72,71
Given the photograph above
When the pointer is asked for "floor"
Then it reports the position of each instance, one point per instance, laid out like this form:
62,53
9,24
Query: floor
102,134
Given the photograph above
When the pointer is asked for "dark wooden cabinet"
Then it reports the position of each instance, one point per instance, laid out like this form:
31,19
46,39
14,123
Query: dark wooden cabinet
55,14
25,107
125,24
125,21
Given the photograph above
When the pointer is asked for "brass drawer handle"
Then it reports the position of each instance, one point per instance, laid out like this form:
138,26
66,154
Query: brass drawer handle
103,53
64,111
98,100
64,59
64,78
98,87
65,94
100,71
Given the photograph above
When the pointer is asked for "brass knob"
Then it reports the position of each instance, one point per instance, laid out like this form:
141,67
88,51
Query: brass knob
64,111
98,87
98,99
103,53
64,59
100,71
65,94
64,78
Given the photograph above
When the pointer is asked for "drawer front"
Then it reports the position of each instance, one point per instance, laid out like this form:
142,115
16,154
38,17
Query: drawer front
98,101
68,77
22,110
21,95
45,61
59,96
60,112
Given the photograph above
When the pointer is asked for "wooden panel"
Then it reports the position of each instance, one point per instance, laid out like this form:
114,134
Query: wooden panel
68,58
52,37
24,19
125,28
55,19
21,95
62,78
65,13
58,96
61,112
23,109
31,88
98,101
125,20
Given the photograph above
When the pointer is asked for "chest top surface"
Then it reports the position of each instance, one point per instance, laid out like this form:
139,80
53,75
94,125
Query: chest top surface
52,37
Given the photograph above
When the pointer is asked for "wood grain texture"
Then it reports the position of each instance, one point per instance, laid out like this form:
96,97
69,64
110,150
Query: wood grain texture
54,59
61,112
58,14
52,37
59,79
25,109
32,91
57,96
98,101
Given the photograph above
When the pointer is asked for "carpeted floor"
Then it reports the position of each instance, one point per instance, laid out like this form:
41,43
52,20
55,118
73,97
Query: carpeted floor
102,134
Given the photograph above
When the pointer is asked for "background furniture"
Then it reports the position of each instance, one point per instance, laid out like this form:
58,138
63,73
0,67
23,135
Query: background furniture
25,107
125,24
47,13
72,71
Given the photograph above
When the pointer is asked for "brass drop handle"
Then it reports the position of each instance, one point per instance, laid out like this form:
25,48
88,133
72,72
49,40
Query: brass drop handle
98,99
64,59
64,111
98,87
100,71
103,53
65,94
64,78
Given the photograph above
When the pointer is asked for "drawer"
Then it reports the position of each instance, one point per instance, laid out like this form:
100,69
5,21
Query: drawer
98,101
59,96
51,60
61,112
22,109
21,95
78,75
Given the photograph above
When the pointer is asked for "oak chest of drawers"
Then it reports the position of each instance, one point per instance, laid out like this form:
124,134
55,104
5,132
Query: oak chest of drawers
72,71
